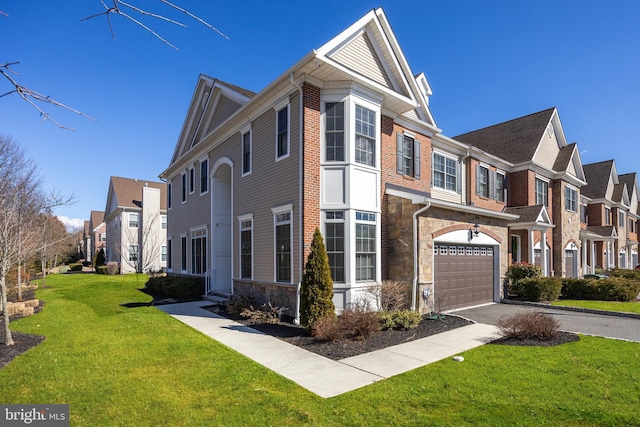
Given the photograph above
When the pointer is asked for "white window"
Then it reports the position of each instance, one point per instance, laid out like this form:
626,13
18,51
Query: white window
482,181
365,246
163,219
334,240
133,220
607,216
282,241
246,247
571,199
192,180
103,237
542,192
408,155
334,131
204,176
445,172
246,153
184,188
365,138
515,248
282,133
621,219
163,253
198,251
501,189
133,253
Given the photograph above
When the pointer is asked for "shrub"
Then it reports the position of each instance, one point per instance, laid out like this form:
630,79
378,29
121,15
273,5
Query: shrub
267,313
529,324
605,289
625,274
238,303
354,323
100,258
400,319
75,267
391,295
316,292
101,269
537,289
522,270
183,288
113,268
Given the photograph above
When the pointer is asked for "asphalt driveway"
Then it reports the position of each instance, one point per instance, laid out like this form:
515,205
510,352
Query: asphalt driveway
608,326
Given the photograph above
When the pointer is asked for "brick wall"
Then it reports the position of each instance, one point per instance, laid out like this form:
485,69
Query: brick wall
311,165
475,199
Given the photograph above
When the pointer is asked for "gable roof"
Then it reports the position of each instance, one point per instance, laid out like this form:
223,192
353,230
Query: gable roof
631,180
96,218
598,176
515,140
536,214
603,230
127,192
620,193
564,157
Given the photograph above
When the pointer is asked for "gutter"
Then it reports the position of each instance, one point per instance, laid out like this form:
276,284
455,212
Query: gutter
414,286
300,195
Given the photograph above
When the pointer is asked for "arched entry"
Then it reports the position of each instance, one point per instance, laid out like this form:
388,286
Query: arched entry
221,213
571,260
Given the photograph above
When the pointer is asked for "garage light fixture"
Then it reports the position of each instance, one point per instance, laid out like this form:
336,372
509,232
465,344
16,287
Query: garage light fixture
476,229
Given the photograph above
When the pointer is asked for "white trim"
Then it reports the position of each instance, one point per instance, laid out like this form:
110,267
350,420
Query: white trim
282,103
191,180
282,209
519,254
241,219
202,161
279,211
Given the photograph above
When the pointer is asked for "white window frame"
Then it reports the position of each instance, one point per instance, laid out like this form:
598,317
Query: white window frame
248,132
131,220
197,234
487,183
500,193
163,222
280,219
370,219
445,157
103,237
134,253
183,188
245,223
607,216
518,256
545,202
184,253
204,180
374,137
326,131
192,180
163,253
571,198
278,108
337,216
621,219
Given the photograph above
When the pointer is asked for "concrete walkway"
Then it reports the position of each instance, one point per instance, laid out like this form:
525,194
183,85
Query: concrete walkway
322,376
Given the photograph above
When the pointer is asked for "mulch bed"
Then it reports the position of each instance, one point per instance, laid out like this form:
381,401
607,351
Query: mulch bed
22,342
559,338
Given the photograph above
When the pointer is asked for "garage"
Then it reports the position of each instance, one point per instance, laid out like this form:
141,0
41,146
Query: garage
463,275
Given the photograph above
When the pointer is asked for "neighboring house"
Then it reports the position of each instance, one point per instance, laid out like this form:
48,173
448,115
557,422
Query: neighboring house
85,245
631,182
136,224
97,234
609,206
343,140
544,177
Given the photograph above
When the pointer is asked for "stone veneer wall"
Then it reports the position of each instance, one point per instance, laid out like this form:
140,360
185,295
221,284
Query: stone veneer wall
566,230
432,222
279,294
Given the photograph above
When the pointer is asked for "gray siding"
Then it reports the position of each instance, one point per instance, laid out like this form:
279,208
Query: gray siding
360,56
226,107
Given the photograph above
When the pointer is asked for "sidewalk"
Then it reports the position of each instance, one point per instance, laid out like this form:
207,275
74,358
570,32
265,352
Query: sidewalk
322,376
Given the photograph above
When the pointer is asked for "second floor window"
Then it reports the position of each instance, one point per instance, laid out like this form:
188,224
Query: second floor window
204,176
408,156
445,172
133,220
169,188
500,187
571,199
365,144
163,219
282,142
192,180
334,132
246,153
620,219
542,192
482,181
584,216
607,216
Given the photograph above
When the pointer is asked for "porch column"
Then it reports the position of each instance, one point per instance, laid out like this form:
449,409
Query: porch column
629,257
585,247
543,253
592,246
532,258
609,250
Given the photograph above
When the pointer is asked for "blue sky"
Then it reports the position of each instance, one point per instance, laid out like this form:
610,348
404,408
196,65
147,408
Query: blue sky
487,62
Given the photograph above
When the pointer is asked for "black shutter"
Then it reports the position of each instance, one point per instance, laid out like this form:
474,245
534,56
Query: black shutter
416,158
399,156
459,176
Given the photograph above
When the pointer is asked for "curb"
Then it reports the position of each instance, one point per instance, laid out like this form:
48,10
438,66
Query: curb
577,309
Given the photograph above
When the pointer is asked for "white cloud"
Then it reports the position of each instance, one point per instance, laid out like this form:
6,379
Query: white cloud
72,224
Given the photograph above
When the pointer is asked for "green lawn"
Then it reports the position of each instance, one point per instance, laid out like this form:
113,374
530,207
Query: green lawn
626,307
138,366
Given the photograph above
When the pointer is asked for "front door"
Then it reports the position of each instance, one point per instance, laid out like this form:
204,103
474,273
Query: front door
221,231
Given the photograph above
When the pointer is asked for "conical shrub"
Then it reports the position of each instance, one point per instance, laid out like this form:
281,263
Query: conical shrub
316,291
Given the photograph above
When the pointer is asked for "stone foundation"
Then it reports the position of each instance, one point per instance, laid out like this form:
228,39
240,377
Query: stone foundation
279,294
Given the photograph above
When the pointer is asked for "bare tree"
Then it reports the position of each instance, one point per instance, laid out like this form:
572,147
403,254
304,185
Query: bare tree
116,8
141,250
20,197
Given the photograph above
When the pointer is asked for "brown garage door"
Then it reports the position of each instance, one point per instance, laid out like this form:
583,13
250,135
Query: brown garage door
463,275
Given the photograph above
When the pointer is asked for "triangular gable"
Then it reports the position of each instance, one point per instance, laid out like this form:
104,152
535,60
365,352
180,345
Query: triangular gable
213,102
543,216
551,141
368,51
112,201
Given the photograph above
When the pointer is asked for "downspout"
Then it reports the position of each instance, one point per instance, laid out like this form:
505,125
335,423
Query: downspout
414,288
300,211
